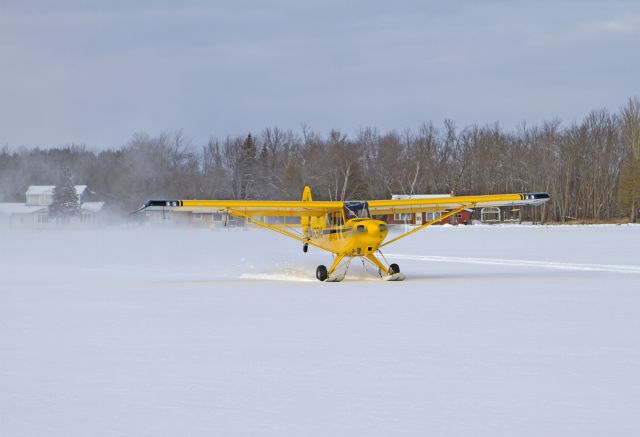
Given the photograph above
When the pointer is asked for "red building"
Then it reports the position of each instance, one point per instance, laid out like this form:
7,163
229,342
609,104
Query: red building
461,218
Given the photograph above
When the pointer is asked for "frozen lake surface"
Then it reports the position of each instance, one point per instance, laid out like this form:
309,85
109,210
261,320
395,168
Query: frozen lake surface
497,331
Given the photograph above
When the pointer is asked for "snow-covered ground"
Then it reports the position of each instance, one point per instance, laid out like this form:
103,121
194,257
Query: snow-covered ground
497,331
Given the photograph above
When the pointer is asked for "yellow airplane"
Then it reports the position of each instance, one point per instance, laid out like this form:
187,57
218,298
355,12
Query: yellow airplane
347,229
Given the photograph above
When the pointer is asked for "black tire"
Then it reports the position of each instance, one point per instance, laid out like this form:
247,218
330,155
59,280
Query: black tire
394,268
305,247
321,273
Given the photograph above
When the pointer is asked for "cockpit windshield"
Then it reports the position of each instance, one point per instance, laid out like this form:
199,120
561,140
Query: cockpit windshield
356,210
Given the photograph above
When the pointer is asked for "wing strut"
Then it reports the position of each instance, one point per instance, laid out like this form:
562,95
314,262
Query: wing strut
442,217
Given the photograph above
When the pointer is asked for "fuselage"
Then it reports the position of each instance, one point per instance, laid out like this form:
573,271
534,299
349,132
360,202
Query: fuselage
357,237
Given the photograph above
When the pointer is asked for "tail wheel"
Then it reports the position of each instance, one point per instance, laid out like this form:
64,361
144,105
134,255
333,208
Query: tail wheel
321,273
394,268
305,247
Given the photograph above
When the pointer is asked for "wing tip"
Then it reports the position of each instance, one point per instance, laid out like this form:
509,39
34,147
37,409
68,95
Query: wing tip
159,204
165,203
536,198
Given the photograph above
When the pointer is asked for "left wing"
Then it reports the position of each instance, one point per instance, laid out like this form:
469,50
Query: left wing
437,204
449,206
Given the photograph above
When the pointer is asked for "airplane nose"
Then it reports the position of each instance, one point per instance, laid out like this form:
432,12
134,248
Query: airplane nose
376,228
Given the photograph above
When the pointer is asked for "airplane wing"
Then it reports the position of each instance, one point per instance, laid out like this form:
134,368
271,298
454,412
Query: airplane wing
254,211
247,208
438,204
293,208
449,206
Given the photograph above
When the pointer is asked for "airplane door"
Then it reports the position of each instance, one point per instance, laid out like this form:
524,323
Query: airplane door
418,218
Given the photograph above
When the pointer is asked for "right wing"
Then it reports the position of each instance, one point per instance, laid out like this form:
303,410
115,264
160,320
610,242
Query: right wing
247,208
254,211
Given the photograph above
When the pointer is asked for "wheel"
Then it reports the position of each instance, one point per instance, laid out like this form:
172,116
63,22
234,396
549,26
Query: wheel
394,268
321,273
305,247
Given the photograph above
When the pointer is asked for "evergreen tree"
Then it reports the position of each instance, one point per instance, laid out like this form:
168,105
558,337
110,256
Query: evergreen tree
65,199
247,166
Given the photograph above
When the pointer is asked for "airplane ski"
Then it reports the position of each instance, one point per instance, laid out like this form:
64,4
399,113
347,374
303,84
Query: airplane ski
336,278
394,277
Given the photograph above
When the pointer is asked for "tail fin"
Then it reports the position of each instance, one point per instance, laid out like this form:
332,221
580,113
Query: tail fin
306,221
306,194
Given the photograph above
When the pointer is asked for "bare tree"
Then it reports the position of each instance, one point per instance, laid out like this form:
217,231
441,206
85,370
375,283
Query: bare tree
629,188
590,167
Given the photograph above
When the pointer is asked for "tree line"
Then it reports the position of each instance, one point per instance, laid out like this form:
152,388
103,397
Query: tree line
591,168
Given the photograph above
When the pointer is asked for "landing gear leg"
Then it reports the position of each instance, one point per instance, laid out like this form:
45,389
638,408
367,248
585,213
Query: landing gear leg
390,274
329,275
376,262
335,263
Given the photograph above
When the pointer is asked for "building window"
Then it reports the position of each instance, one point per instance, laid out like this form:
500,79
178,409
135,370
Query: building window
403,217
433,215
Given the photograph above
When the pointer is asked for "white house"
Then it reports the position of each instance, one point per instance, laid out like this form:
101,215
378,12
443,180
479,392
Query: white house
42,195
19,215
88,210
34,213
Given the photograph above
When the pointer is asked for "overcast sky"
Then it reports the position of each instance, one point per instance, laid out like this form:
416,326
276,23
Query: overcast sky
96,72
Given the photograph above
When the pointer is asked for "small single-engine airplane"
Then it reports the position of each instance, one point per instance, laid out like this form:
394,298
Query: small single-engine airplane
347,229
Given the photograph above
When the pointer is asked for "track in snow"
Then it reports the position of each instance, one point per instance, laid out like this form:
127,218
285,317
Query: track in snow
610,268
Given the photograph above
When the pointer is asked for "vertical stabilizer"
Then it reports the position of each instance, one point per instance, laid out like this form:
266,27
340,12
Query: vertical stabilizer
306,194
306,221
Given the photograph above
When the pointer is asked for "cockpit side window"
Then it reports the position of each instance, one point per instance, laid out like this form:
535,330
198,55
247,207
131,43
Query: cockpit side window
356,210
